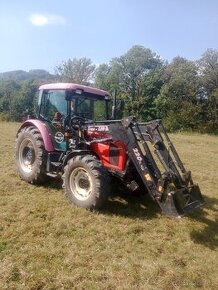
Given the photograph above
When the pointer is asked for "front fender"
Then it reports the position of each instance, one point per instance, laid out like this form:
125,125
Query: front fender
46,135
74,153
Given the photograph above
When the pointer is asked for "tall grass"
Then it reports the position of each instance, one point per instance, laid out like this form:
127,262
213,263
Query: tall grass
46,243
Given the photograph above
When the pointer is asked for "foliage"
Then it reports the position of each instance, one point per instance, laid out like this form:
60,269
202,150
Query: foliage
127,75
8,90
16,100
178,102
184,93
17,92
208,67
23,102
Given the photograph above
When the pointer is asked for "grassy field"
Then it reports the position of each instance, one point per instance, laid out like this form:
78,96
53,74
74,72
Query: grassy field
46,243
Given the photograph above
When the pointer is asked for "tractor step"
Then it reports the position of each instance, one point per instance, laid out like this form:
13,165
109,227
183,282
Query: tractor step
57,164
53,164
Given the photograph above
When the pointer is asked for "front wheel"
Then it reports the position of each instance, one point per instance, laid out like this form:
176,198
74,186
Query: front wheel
86,182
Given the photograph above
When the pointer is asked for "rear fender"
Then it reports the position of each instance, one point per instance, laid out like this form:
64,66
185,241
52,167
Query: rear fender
46,135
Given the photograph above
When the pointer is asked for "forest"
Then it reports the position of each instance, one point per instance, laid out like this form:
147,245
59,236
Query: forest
182,92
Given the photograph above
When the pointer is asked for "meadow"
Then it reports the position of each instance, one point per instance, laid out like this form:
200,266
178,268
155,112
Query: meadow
47,243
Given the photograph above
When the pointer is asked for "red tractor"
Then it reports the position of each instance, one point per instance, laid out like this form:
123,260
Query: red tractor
73,134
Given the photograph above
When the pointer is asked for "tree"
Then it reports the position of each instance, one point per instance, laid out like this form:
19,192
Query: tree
23,101
8,90
152,85
107,78
126,76
75,70
208,68
177,102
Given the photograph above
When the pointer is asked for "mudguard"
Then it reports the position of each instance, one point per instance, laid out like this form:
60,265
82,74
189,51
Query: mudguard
46,135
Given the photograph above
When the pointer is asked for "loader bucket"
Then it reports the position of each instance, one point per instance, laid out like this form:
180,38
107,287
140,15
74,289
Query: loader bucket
181,202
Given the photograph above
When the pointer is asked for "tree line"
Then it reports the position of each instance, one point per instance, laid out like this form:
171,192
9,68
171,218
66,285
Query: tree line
183,93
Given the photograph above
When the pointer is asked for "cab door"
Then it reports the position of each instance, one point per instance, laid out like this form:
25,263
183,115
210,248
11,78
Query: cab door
53,110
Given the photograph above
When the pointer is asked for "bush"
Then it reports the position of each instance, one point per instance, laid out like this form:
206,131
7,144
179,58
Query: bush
4,117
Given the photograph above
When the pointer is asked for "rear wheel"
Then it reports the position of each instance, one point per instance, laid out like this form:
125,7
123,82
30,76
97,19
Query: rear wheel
31,156
86,182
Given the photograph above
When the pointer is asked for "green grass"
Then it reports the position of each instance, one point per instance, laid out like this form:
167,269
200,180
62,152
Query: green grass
46,243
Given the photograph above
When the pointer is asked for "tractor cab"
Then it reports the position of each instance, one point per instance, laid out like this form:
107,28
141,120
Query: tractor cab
74,100
58,103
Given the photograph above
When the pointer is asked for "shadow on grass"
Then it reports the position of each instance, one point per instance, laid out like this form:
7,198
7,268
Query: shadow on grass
131,205
209,235
54,183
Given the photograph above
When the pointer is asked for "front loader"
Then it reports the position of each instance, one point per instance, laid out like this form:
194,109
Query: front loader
72,134
169,184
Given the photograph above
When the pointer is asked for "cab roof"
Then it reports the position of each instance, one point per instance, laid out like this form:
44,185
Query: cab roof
72,86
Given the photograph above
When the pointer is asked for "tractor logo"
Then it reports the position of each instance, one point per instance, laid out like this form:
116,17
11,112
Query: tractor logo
59,137
99,128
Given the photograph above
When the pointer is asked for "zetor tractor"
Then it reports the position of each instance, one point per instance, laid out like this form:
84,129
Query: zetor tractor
73,134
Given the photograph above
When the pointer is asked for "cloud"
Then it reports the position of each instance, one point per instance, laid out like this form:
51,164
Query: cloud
46,19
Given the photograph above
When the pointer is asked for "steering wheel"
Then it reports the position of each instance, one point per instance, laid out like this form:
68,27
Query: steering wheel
75,122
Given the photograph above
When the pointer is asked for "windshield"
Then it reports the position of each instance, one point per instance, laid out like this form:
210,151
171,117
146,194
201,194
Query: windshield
55,105
89,108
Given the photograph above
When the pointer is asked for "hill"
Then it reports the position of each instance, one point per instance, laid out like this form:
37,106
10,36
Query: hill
18,89
21,75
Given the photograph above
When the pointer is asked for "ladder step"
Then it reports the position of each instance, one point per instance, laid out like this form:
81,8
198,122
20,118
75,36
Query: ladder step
56,164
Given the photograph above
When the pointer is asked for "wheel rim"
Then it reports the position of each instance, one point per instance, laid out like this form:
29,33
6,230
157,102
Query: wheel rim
26,155
80,183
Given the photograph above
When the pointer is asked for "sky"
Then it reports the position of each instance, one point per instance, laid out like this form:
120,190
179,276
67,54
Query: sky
41,34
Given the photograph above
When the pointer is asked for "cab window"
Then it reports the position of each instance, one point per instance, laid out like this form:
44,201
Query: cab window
99,110
89,108
53,102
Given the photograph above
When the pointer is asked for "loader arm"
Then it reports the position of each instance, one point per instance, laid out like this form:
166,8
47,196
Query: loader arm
159,165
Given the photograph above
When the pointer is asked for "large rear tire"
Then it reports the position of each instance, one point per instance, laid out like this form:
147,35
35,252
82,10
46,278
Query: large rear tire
86,182
31,156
